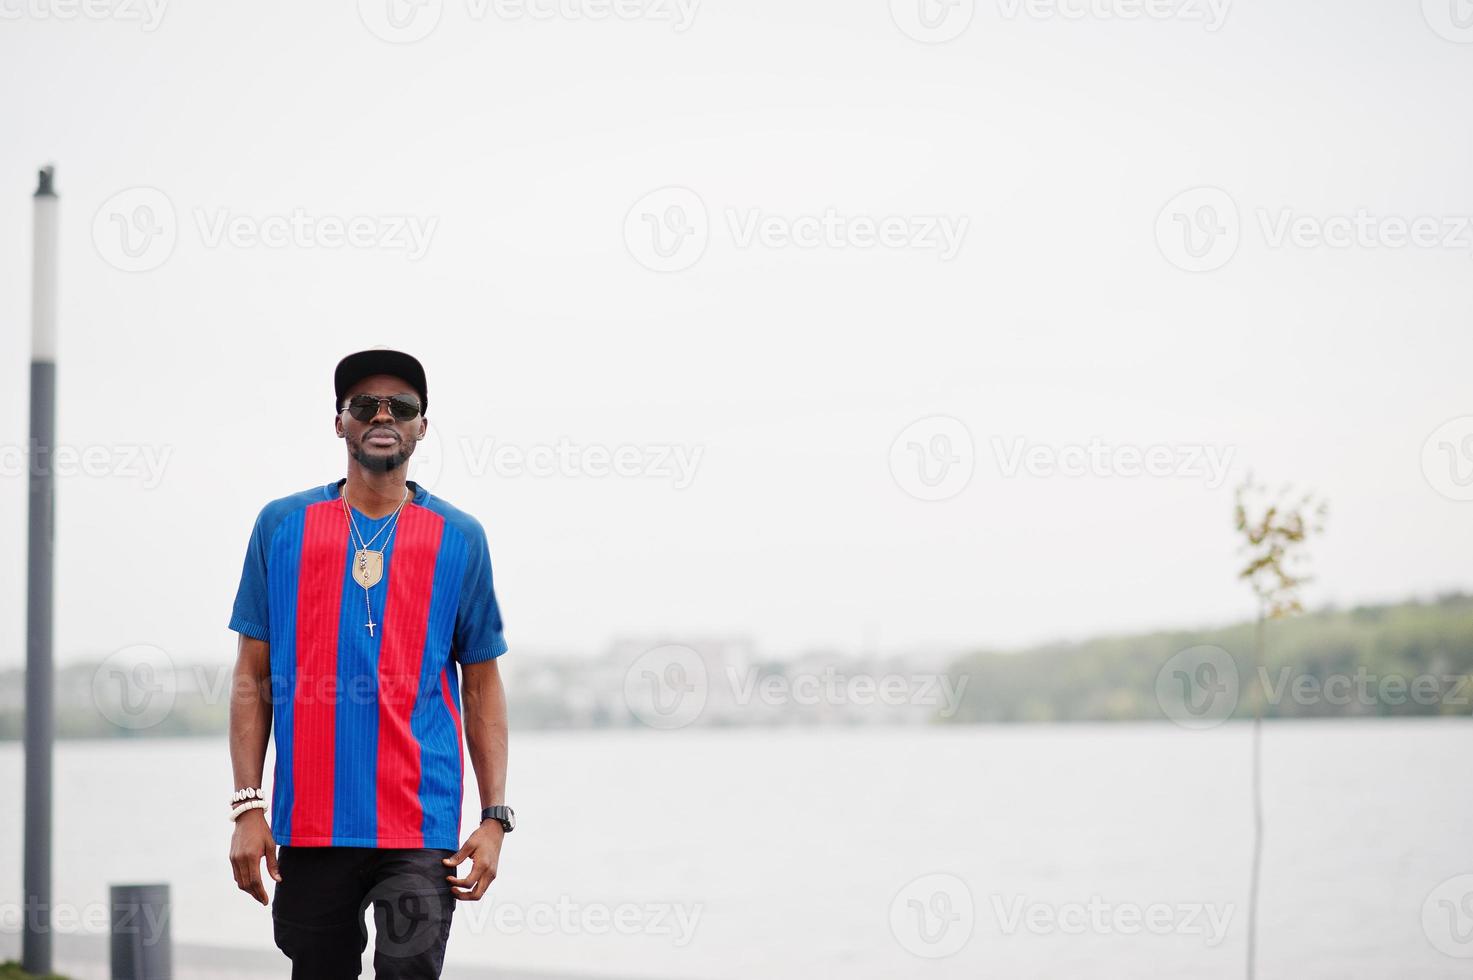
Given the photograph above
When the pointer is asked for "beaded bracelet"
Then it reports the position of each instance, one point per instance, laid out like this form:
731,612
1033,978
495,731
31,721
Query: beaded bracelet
251,805
249,793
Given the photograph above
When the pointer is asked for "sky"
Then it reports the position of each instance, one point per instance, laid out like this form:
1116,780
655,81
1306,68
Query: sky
831,325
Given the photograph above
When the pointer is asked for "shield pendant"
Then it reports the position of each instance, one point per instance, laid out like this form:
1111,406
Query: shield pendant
368,567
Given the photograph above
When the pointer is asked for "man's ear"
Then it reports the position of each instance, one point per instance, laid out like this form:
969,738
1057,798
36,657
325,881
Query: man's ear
337,424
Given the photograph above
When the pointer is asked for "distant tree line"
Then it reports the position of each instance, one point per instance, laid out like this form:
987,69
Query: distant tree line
1397,659
1409,658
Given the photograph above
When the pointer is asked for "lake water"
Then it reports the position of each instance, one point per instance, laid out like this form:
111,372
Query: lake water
1048,851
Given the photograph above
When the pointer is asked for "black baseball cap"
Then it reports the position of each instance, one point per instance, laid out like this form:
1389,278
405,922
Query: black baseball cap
380,360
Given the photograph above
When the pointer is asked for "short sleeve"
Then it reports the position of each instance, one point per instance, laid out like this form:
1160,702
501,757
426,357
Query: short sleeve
478,634
251,614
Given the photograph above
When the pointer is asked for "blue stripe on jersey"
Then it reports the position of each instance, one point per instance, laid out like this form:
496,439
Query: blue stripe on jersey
355,784
286,556
439,758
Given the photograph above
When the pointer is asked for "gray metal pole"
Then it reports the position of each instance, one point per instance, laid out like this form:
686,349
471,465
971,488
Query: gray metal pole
140,947
40,686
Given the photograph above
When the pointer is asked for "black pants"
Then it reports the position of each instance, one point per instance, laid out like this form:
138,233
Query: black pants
317,910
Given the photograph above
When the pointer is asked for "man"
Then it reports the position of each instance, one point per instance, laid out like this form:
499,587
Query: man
356,603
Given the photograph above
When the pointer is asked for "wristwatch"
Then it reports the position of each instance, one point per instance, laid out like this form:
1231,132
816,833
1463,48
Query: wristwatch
502,815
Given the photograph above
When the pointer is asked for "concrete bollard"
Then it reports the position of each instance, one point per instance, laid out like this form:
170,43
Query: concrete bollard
140,932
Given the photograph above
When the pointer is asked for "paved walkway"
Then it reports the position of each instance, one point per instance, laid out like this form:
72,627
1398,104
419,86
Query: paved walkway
85,957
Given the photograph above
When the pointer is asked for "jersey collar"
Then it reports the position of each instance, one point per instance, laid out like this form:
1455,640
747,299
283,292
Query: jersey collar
418,493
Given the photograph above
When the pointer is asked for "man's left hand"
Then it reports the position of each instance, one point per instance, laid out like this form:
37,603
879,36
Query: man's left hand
483,847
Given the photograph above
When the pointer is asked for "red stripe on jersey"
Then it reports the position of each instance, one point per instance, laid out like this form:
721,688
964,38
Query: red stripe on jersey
314,702
447,680
406,620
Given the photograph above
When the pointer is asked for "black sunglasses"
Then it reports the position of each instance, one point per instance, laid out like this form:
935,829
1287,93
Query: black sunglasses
365,407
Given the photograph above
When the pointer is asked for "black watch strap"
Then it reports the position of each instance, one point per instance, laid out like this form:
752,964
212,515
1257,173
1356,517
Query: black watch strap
503,815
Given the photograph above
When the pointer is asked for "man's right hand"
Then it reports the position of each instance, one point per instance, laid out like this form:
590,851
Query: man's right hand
251,842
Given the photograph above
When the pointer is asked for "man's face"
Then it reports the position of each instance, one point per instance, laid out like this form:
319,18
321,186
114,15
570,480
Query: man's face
381,444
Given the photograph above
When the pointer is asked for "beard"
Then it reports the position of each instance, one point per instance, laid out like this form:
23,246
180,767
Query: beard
380,464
